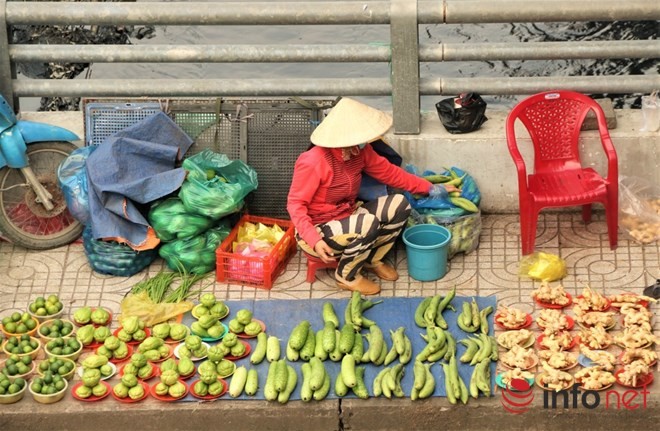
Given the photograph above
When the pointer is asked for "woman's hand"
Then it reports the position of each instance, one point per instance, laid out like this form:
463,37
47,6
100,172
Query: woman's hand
324,251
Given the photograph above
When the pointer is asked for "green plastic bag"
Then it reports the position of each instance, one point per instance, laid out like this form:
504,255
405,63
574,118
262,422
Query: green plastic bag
171,220
216,186
195,255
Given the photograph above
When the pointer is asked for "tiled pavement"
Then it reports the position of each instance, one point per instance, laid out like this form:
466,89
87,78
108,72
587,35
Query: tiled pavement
492,269
489,270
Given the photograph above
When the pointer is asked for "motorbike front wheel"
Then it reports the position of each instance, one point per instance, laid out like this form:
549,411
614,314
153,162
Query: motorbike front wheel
25,221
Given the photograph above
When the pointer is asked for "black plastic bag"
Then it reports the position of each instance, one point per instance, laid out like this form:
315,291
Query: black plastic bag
462,114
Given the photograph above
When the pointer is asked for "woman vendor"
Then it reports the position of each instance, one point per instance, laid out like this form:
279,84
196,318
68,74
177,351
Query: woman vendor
330,224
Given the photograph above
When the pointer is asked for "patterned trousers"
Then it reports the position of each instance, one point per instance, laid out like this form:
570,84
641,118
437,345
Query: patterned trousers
364,237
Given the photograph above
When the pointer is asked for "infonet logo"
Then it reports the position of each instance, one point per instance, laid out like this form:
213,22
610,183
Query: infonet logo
518,396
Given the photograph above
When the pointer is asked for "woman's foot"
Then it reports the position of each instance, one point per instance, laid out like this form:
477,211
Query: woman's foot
360,284
383,271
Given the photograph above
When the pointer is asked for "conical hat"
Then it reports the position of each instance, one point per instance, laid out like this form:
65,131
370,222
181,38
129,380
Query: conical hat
351,123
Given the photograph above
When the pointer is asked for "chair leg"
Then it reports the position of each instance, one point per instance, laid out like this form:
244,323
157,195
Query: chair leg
528,221
612,215
586,213
311,273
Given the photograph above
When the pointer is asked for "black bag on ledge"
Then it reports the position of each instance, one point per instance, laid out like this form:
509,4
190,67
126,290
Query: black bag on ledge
462,114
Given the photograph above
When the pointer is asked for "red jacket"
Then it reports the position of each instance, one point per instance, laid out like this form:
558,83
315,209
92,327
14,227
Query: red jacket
325,187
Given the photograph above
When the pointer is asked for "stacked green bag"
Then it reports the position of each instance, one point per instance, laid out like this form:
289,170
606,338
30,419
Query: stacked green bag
197,254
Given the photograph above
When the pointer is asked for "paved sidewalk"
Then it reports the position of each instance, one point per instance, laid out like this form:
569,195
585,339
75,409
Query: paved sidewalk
490,270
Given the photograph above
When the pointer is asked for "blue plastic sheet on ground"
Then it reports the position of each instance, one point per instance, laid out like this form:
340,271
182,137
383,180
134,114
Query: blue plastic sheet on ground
281,316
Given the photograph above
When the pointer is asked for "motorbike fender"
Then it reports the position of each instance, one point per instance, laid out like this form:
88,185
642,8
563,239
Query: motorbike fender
40,132
13,151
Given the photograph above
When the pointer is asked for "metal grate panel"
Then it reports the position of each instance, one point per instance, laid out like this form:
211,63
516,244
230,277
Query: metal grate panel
268,135
104,119
276,139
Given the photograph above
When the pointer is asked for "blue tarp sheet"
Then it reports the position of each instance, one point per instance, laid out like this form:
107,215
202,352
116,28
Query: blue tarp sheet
281,316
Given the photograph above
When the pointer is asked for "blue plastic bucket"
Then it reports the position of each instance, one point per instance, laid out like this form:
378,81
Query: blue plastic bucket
426,247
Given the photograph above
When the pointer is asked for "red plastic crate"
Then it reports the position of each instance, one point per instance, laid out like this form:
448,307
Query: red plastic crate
255,271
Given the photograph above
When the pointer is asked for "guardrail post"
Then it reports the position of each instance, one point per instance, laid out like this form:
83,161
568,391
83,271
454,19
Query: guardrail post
404,37
6,71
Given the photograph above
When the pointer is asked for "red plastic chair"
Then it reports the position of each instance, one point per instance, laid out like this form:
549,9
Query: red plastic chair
314,264
553,120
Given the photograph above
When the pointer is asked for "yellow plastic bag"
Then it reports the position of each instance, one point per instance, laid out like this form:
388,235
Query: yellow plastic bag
250,231
542,266
151,313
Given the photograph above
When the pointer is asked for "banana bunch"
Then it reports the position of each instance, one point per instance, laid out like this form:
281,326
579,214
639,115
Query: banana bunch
479,348
456,180
440,344
423,381
388,382
401,347
429,311
454,385
472,319
480,380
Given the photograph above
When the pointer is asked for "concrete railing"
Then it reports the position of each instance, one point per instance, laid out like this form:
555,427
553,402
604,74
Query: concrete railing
405,83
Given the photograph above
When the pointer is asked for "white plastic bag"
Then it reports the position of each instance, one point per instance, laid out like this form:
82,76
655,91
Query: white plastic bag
639,209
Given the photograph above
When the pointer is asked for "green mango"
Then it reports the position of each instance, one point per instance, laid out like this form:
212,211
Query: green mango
100,316
112,343
161,389
85,335
91,377
101,333
169,377
201,388
83,315
216,388
244,316
83,391
94,361
136,392
168,364
178,331
207,300
176,390
130,324
120,390
138,360
129,380
99,390
145,372
186,366
161,330
193,342
216,331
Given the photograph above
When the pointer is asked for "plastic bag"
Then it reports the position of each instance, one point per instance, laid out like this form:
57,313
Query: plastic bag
248,232
216,186
650,112
72,178
443,205
463,114
639,209
151,313
542,266
370,188
465,230
195,255
171,220
113,258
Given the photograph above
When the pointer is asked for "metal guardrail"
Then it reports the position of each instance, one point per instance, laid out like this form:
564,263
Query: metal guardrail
405,52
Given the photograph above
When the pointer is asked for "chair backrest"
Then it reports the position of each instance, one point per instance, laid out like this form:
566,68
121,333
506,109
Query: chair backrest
553,119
